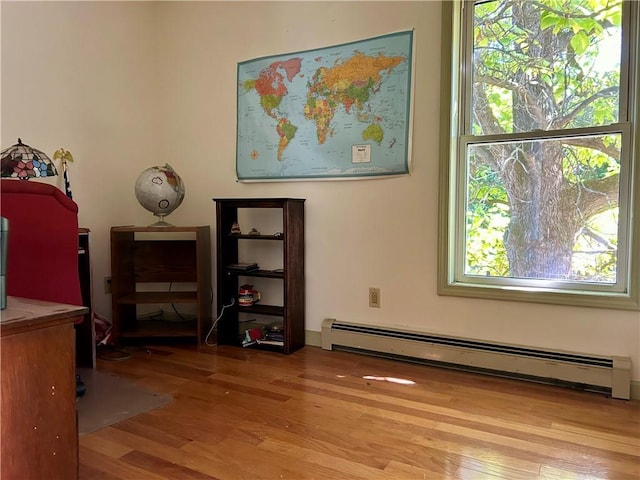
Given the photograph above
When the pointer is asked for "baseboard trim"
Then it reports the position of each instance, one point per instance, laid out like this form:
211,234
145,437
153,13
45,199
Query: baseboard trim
635,389
313,338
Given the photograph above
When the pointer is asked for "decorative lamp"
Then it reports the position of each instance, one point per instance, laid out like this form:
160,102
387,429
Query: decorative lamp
25,162
160,190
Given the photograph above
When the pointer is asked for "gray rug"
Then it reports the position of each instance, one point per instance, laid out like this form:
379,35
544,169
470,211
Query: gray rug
110,399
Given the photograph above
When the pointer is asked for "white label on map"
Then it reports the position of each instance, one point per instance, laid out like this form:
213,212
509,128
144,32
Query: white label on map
361,154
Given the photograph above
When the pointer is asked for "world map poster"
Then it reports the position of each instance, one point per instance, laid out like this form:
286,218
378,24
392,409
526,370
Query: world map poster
336,112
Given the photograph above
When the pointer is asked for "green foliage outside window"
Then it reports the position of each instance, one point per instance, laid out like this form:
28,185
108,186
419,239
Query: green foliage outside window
545,125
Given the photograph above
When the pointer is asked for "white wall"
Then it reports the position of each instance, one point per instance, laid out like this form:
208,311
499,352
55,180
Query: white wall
155,82
82,76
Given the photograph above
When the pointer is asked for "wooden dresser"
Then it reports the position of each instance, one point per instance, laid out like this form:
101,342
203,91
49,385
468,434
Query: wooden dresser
38,423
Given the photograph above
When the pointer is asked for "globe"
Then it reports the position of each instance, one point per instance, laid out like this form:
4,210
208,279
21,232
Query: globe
160,190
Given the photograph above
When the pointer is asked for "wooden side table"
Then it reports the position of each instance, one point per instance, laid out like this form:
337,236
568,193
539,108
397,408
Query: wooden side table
38,423
160,266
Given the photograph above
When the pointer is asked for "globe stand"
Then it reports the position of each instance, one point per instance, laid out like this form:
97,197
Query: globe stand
160,222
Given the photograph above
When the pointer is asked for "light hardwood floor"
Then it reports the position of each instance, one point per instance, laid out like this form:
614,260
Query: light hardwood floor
246,414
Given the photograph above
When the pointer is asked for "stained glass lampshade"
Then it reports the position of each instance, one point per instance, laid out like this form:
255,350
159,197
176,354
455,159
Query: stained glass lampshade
25,162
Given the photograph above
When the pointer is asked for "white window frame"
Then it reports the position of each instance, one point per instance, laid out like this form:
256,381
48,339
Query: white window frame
455,97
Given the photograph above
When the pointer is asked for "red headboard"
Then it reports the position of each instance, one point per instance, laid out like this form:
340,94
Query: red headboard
42,260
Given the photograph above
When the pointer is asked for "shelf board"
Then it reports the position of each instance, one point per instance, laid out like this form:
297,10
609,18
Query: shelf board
158,297
259,309
168,229
255,237
159,328
256,273
258,202
262,346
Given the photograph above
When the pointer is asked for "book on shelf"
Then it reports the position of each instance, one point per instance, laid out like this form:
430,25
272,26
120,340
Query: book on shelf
277,337
276,343
243,266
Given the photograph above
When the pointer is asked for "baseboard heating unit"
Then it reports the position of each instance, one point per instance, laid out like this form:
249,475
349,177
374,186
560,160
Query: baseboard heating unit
611,375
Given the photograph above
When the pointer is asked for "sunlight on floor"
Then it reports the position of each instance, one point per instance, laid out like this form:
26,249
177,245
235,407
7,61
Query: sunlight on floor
401,381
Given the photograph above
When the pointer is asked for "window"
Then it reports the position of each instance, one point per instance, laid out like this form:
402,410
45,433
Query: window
540,148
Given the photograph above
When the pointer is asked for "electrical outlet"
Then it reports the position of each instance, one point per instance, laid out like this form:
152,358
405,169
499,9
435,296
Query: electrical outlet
374,297
107,284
